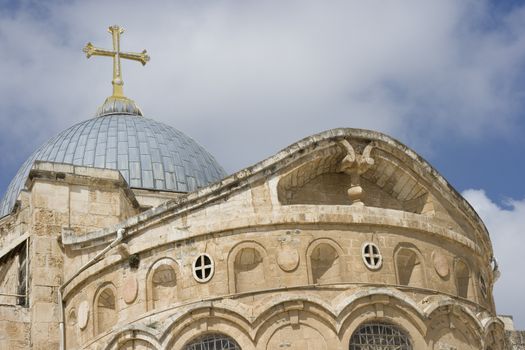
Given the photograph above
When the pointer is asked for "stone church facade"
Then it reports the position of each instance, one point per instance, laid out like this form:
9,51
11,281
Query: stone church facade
344,232
123,233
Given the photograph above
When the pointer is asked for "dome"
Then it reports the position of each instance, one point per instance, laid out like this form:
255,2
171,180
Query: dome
148,154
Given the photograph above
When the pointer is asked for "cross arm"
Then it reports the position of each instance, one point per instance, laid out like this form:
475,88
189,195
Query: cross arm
142,57
91,50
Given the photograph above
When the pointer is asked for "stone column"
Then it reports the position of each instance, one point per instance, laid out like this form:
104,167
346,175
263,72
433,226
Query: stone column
50,212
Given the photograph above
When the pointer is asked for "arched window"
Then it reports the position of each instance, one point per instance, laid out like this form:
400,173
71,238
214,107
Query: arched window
409,268
162,284
325,264
213,342
462,274
379,336
106,309
249,270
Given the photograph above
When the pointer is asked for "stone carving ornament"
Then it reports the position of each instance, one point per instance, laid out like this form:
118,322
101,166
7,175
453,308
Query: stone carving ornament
83,314
130,289
288,259
441,265
355,165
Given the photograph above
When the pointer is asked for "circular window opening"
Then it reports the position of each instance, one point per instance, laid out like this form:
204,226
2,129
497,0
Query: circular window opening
203,268
371,256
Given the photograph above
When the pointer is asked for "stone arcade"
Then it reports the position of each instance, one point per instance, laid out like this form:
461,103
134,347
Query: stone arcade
123,233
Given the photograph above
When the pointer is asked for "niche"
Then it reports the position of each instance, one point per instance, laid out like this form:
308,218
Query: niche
409,268
325,264
248,270
162,284
106,309
462,274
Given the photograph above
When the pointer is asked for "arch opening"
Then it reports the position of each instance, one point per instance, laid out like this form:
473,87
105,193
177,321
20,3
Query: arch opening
462,274
213,341
164,283
248,270
379,336
409,268
106,310
325,264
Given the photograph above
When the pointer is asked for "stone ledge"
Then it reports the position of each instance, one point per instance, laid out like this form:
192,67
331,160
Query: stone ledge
335,311
80,175
262,170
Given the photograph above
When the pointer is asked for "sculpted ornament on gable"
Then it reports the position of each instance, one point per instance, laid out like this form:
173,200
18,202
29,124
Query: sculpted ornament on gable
355,165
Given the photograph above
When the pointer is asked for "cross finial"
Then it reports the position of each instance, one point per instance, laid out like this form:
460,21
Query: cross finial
117,82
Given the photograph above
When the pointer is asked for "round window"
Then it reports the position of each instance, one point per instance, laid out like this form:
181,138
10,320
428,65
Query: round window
371,256
203,268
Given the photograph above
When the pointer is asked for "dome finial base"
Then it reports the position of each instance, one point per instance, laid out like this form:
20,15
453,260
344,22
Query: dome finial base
118,105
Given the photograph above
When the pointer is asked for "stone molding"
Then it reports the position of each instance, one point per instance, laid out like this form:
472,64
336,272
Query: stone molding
335,314
267,168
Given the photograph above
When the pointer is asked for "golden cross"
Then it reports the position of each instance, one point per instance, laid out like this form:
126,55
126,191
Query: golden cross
117,82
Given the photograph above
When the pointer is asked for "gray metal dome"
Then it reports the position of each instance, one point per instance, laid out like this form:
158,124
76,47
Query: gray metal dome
147,153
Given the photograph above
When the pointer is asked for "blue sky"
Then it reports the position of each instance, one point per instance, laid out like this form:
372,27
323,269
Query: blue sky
246,79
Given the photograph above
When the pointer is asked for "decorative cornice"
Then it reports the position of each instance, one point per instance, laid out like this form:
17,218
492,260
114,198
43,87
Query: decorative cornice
271,165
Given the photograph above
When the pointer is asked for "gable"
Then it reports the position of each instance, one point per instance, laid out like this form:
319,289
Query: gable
371,173
320,170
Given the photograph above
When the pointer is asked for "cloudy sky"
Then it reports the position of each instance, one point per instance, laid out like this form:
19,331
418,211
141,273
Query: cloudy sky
247,78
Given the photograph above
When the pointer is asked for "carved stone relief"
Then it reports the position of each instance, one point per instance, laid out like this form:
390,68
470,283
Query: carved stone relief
355,165
441,265
288,258
83,314
130,289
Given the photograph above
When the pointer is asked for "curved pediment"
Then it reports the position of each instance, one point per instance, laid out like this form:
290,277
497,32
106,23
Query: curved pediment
386,183
370,169
320,170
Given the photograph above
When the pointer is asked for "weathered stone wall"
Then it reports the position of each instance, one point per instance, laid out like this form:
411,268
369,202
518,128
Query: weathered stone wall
82,199
515,340
8,279
150,198
50,207
285,271
288,260
299,266
15,327
59,197
17,224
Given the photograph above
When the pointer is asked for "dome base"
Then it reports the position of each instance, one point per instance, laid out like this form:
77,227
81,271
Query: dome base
118,105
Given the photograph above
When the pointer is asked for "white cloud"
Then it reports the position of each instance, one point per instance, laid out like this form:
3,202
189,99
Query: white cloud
246,78
222,70
506,224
